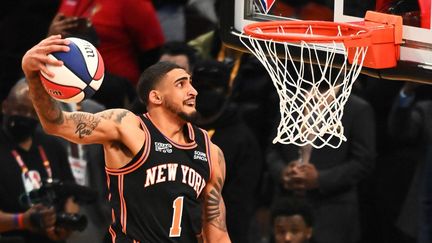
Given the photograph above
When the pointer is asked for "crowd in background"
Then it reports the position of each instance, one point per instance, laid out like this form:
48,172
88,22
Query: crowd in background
375,188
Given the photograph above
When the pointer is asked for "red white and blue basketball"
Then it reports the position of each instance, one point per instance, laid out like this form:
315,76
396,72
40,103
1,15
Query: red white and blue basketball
80,76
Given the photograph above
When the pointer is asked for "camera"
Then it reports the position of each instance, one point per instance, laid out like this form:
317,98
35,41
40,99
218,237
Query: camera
54,193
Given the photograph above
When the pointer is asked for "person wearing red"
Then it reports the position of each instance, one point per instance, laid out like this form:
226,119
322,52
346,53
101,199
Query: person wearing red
129,34
79,8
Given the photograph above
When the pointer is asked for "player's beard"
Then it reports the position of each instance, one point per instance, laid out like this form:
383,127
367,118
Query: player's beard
188,117
191,117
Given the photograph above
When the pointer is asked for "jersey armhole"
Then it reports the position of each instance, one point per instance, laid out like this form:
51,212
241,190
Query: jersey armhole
208,152
138,160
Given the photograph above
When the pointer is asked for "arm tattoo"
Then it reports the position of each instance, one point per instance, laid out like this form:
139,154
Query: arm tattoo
120,116
213,201
107,115
49,110
84,123
215,213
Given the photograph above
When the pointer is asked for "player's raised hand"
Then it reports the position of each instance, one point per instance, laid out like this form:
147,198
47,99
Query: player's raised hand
36,58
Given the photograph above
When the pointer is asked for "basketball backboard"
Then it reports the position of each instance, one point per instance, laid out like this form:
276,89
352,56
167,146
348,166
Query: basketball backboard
415,62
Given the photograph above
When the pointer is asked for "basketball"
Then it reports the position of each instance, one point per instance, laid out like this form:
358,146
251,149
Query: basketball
79,77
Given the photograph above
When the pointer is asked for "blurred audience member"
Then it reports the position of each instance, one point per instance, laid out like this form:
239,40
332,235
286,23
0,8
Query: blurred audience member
171,14
29,158
179,53
74,20
328,177
292,221
220,117
205,8
249,84
252,90
382,197
130,36
411,121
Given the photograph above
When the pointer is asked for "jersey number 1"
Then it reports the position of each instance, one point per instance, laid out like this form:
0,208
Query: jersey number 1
175,229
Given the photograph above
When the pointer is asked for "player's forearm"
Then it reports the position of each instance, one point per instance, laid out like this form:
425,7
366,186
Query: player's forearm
49,110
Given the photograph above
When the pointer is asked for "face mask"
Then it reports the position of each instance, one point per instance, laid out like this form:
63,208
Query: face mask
209,102
19,128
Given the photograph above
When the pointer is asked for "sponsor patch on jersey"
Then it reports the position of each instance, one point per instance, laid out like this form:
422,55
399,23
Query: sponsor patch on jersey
200,155
165,148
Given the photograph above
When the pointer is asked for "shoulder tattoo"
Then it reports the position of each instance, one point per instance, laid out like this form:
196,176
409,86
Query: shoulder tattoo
113,115
120,116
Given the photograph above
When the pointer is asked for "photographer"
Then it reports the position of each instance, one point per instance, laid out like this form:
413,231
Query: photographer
29,157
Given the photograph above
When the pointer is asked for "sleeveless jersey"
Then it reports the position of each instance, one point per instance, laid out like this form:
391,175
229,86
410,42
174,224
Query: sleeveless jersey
156,196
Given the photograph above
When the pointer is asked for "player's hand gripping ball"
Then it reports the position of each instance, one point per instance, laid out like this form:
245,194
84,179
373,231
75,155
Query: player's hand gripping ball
80,76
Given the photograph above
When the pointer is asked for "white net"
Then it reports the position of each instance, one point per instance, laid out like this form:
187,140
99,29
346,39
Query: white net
312,87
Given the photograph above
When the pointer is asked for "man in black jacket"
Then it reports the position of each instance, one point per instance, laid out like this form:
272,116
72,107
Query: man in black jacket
243,157
411,122
328,177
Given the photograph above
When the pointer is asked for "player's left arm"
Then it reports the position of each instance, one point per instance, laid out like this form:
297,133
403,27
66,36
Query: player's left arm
214,223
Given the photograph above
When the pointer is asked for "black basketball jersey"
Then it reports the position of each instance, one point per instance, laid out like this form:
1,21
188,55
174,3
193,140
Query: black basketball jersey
156,196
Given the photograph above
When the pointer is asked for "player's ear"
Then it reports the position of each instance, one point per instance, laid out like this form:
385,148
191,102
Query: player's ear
155,97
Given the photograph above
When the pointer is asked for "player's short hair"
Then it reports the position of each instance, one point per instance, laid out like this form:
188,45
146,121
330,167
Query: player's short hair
151,77
289,206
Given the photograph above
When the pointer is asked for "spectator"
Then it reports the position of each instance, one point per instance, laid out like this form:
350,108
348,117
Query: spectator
382,197
292,221
130,36
250,84
179,53
328,177
412,121
74,20
220,117
171,14
252,90
29,157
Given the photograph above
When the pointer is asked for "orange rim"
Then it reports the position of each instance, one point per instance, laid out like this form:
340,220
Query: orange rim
323,31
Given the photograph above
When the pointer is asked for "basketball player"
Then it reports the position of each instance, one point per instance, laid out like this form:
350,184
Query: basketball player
164,175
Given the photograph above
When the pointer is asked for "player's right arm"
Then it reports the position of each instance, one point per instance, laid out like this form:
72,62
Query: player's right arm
79,127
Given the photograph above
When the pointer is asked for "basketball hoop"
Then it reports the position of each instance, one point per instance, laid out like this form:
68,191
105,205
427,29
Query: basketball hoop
313,65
